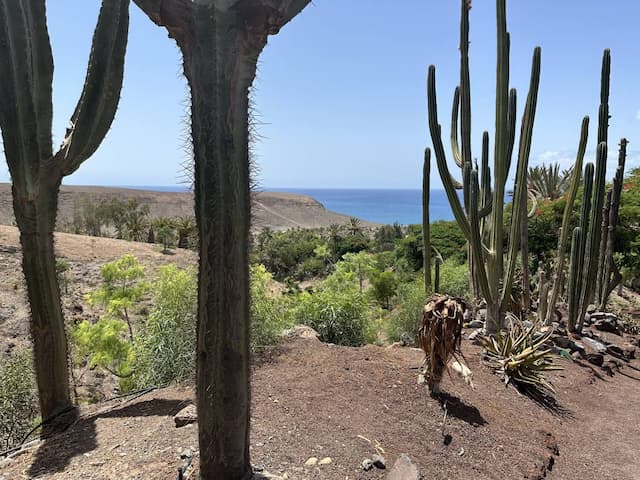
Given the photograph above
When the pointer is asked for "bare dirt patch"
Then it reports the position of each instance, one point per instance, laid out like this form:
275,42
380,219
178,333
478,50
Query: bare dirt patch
316,400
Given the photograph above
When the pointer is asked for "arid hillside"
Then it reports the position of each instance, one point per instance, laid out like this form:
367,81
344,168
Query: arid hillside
275,210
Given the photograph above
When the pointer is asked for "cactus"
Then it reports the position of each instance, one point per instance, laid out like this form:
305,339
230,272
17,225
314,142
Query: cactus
26,77
488,268
566,217
426,236
574,269
608,275
221,41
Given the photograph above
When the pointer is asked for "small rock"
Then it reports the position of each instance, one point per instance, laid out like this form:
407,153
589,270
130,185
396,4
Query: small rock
473,336
311,462
576,355
301,331
366,464
629,351
325,461
606,325
186,416
594,345
562,342
482,314
595,358
378,461
476,324
615,350
403,469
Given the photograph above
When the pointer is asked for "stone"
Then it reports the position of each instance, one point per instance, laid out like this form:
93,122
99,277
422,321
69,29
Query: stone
366,464
325,461
577,355
311,462
606,325
629,351
594,345
473,336
476,324
595,358
378,461
615,350
403,469
562,342
482,314
186,416
301,331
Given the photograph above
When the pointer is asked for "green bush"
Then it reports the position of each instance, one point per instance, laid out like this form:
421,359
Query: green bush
270,314
165,349
18,398
454,279
340,317
404,321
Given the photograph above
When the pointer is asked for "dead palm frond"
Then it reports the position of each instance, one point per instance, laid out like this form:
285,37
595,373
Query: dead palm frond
440,336
520,357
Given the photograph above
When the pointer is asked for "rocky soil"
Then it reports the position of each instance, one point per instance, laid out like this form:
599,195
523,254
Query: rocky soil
320,411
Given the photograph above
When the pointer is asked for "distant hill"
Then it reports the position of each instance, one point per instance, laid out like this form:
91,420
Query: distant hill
275,210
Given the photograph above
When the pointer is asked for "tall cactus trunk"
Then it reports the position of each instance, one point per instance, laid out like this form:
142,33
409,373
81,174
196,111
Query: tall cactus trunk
524,252
36,220
426,232
220,74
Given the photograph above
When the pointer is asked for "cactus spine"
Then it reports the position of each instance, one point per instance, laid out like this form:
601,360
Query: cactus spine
493,279
426,235
26,111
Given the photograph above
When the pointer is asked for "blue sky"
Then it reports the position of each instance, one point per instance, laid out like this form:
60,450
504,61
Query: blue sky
340,93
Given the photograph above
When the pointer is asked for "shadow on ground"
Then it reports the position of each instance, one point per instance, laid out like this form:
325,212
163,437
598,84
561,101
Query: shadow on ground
56,451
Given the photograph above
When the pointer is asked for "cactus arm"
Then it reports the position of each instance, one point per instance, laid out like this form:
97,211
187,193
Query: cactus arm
534,203
426,235
465,88
476,240
608,284
511,129
602,253
574,273
566,217
443,169
98,102
455,111
496,239
520,194
603,113
26,73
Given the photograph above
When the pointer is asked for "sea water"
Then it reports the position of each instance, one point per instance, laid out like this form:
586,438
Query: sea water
385,206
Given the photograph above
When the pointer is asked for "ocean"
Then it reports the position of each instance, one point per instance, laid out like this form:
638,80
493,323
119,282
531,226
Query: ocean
375,205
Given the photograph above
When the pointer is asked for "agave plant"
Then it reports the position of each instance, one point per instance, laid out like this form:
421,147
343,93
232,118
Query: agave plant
520,357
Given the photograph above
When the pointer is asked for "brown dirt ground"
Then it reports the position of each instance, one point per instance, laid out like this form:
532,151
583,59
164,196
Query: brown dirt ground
314,399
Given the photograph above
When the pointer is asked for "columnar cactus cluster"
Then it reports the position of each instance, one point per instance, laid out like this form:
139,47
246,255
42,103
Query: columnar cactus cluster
481,217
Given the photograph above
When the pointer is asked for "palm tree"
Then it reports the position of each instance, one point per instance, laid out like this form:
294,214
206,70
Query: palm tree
136,225
355,226
547,183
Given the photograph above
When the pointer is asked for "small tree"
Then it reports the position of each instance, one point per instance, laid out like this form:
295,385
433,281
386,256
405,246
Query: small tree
385,285
122,288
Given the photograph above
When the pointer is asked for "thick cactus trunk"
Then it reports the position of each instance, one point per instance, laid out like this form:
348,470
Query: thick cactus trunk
36,220
220,75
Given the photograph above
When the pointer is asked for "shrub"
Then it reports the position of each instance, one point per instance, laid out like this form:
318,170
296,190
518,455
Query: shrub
384,288
404,321
18,398
269,313
164,350
454,279
340,317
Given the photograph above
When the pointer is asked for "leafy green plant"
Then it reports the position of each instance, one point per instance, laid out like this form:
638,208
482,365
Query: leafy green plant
18,398
454,279
340,317
123,286
520,357
384,286
404,321
270,314
164,349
